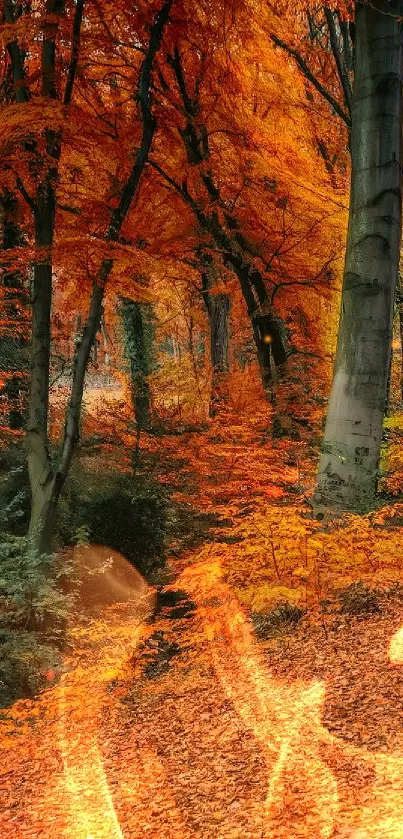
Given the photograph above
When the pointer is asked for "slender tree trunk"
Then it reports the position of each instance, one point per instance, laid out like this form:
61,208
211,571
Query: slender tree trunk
138,332
39,463
268,329
44,486
14,355
269,339
347,476
218,308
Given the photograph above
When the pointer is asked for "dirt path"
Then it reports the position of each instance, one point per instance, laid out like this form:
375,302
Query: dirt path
299,736
235,740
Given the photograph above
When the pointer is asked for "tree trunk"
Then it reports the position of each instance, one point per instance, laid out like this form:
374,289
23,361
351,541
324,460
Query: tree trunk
348,469
401,344
138,332
218,308
14,355
41,476
399,310
43,513
39,463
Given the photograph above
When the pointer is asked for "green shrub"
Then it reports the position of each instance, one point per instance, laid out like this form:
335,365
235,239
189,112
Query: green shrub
33,617
24,662
14,491
125,513
30,590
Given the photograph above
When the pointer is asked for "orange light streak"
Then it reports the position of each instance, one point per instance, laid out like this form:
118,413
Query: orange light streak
285,718
303,786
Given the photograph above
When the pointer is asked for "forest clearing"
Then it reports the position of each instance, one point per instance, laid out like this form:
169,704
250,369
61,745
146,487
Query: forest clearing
201,419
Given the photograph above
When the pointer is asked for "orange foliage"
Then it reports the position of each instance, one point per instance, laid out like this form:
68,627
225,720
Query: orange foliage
226,744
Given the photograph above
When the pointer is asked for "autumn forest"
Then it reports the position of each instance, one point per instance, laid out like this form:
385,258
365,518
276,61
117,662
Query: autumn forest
201,419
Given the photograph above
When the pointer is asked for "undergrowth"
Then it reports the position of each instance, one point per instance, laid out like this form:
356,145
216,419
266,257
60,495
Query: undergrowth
34,612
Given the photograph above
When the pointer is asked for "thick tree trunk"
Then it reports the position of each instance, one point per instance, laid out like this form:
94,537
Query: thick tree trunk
401,344
399,313
347,476
138,332
43,513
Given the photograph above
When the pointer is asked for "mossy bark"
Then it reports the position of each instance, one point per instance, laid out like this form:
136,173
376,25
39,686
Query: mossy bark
138,337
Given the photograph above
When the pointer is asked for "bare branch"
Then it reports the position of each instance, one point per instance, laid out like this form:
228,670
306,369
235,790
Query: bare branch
28,198
339,61
75,49
311,78
149,123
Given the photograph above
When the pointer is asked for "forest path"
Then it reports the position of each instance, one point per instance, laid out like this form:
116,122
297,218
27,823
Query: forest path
303,735
300,735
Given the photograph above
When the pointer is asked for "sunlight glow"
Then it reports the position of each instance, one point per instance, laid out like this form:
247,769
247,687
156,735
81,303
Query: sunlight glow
286,718
396,647
84,784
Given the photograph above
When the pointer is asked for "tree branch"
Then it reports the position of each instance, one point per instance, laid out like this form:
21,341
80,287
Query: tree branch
75,50
191,107
149,123
28,198
340,63
347,42
311,78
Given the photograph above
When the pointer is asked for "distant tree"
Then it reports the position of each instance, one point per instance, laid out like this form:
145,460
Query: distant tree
138,340
218,310
220,223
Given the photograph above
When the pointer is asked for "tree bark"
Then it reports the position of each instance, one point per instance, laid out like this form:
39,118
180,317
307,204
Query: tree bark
218,308
43,481
14,355
399,313
348,469
39,464
138,331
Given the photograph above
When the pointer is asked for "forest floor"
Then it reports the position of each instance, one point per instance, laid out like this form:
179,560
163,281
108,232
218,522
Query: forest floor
243,718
